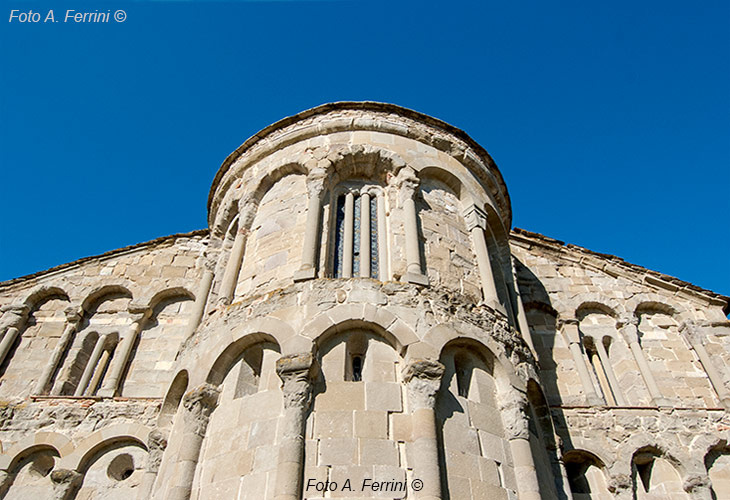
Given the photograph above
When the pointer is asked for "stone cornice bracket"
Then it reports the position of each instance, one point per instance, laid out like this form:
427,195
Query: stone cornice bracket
423,378
475,217
13,316
156,444
199,404
513,407
65,483
297,372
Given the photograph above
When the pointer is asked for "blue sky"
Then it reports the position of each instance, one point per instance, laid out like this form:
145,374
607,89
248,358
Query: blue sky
610,121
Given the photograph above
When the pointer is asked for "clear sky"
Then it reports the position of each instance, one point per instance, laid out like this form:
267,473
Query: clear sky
610,121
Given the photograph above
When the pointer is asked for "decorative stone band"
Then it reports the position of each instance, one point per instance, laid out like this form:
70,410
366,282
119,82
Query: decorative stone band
423,379
65,483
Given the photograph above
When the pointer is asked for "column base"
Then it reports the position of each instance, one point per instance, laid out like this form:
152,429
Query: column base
304,274
106,393
415,278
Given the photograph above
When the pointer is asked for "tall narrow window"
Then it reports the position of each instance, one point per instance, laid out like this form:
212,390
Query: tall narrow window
357,368
356,234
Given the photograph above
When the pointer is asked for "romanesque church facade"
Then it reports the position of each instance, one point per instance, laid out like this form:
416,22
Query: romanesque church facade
360,320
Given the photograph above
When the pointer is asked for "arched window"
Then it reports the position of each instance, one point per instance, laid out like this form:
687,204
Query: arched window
359,227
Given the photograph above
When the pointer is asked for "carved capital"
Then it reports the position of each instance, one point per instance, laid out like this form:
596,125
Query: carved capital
475,217
14,315
619,482
73,315
570,331
630,331
65,483
692,331
697,482
423,379
139,312
156,444
296,372
407,182
316,179
513,407
199,404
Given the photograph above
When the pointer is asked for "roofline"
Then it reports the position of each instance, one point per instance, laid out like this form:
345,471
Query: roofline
655,278
359,105
110,253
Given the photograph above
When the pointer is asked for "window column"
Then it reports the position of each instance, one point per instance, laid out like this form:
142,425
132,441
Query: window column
572,336
73,320
476,224
13,319
631,333
312,235
408,182
111,386
349,236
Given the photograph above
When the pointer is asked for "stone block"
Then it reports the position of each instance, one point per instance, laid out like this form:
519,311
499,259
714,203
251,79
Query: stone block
333,424
371,424
378,452
338,451
383,396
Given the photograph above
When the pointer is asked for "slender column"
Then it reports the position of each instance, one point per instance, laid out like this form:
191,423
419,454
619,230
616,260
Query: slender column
73,319
610,374
365,235
201,299
513,408
13,319
691,332
296,372
423,379
120,360
65,483
347,249
408,182
572,335
197,407
521,314
312,233
631,334
233,266
476,224
565,493
99,371
382,240
156,444
91,365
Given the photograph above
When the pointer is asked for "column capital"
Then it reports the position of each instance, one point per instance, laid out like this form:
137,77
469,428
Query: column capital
65,483
691,329
630,331
475,217
423,378
296,372
73,314
316,178
513,407
156,444
139,312
14,315
696,482
407,182
199,404
569,327
618,483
